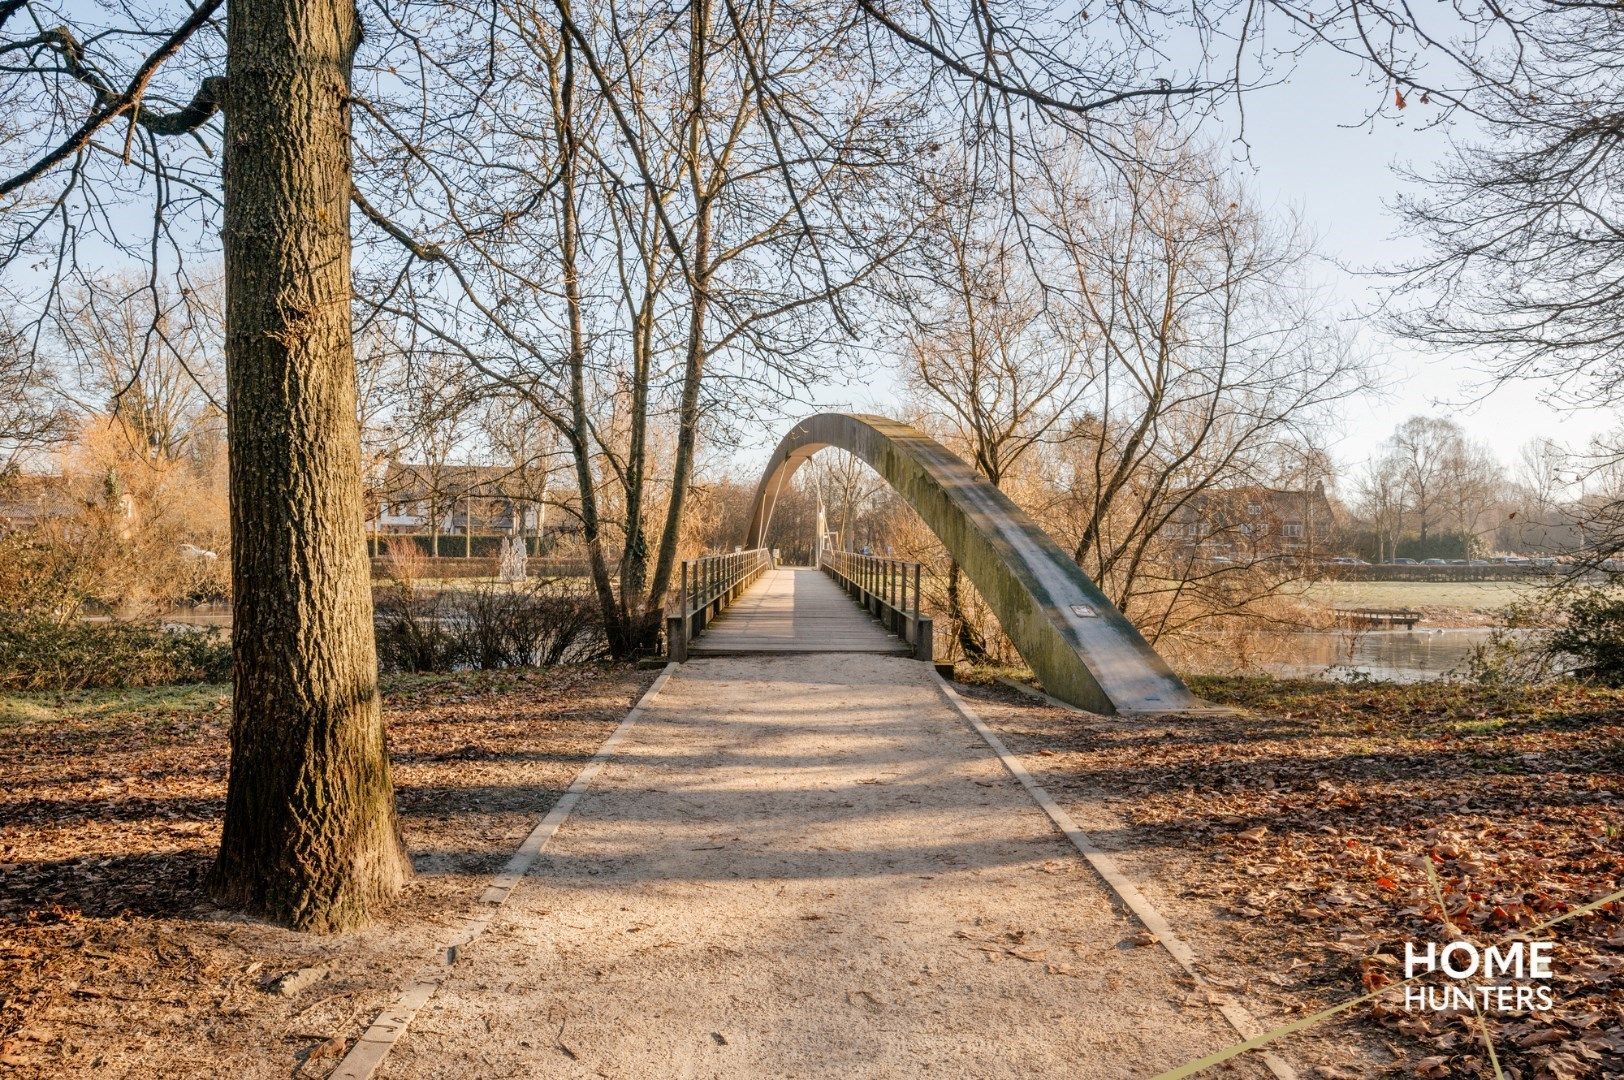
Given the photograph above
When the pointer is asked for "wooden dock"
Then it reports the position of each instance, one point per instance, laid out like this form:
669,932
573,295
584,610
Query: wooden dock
796,610
1378,618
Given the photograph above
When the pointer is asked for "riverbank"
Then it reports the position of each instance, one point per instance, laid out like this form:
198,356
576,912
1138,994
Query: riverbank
1443,604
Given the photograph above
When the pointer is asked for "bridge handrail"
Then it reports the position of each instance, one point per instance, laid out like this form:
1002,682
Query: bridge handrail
885,587
706,586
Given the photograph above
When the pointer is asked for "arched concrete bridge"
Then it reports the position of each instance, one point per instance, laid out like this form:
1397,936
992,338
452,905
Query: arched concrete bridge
1081,647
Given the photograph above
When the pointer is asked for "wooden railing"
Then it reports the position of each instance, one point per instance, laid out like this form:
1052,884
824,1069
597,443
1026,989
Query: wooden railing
706,586
889,589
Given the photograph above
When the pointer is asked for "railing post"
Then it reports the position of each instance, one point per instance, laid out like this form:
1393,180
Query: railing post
924,640
893,575
914,627
701,593
893,571
885,604
676,626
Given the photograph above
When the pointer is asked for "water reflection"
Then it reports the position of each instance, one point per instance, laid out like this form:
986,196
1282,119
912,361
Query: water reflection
1404,656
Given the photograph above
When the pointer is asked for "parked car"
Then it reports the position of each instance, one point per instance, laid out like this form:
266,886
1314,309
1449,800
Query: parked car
1400,562
1347,560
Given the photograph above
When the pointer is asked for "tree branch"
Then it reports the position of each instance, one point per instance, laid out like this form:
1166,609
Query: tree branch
205,103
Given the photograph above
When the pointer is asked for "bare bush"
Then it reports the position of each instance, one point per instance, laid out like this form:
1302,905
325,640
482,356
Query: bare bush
490,625
541,625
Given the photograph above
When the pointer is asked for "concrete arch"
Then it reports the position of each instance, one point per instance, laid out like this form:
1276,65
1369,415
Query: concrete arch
1082,648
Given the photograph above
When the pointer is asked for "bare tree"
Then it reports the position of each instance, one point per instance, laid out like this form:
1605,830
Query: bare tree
1523,273
1211,363
1417,458
684,245
32,415
979,348
1542,497
1380,495
980,354
849,491
160,372
1442,481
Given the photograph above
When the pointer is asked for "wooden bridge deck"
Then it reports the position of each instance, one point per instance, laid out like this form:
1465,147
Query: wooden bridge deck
796,610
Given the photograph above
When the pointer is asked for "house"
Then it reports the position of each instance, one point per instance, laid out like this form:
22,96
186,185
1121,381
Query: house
1243,524
28,500
454,499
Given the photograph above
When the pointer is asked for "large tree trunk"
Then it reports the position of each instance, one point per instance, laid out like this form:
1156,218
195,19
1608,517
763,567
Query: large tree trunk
311,839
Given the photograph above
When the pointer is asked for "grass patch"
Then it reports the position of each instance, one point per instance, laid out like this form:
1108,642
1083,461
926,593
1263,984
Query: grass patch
115,707
1469,595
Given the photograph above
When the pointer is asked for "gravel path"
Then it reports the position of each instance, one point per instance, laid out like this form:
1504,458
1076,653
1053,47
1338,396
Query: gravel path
808,866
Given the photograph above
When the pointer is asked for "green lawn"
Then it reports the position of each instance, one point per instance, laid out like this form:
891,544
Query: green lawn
1467,595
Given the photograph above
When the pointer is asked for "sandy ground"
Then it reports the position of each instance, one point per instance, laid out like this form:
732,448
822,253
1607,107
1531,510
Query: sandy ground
807,866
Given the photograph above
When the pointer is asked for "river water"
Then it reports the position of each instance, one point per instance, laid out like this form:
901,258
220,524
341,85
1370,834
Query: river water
1385,655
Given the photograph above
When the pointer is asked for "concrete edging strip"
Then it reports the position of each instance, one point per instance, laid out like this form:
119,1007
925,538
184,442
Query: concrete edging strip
1242,1021
391,1023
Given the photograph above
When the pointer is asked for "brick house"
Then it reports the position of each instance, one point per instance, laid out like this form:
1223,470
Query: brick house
1244,524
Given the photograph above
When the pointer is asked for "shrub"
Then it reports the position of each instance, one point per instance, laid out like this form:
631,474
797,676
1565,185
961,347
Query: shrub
1518,652
1593,637
416,629
541,624
39,654
487,626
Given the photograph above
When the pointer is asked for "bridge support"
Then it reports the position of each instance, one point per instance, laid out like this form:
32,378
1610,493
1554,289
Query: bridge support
1080,646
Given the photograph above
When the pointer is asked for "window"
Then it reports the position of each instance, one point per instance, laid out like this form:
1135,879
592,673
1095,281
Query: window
1254,509
1293,529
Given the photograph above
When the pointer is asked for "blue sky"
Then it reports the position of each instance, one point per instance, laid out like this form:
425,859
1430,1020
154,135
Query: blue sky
1310,150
